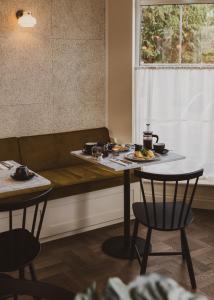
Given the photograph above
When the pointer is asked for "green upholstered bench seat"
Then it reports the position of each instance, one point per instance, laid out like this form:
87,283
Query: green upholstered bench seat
79,179
49,155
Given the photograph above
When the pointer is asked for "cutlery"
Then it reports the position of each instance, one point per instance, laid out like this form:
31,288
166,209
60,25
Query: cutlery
7,165
119,162
126,161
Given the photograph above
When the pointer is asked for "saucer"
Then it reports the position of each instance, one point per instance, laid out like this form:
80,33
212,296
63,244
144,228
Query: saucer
165,151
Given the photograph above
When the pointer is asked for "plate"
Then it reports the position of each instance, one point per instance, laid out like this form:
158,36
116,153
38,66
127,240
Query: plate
131,157
22,178
121,149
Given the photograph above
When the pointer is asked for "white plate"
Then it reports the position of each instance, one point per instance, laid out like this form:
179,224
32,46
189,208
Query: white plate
131,157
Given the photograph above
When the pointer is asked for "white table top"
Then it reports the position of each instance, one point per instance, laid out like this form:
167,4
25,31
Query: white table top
106,162
10,187
174,167
179,167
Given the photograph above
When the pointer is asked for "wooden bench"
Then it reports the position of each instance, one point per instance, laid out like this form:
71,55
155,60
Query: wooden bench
84,195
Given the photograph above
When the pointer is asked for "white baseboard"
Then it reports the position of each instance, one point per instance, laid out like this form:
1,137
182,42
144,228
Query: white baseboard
84,212
80,230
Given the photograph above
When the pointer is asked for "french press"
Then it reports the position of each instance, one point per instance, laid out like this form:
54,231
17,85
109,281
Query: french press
148,138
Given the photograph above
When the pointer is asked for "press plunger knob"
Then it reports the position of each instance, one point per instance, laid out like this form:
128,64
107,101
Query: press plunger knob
148,125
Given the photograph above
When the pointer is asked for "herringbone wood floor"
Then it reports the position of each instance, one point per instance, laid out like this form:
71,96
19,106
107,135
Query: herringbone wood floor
75,262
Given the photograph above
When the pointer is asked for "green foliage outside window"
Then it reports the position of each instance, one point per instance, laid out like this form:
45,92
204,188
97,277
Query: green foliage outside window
177,34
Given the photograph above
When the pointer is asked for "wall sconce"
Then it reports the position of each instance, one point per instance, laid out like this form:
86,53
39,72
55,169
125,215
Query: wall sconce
25,18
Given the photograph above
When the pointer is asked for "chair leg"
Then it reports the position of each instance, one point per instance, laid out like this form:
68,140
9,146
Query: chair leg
146,252
22,273
188,260
134,238
33,276
32,272
182,246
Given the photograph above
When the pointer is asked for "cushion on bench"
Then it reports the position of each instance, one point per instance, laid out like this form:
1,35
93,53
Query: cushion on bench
49,155
79,179
52,151
9,149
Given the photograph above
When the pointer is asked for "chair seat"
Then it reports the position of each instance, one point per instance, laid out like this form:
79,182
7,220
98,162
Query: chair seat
18,248
140,215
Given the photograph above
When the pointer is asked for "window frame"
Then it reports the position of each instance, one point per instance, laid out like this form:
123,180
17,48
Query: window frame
138,64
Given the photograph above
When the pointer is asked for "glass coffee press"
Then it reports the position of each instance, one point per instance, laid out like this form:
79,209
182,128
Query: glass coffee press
148,138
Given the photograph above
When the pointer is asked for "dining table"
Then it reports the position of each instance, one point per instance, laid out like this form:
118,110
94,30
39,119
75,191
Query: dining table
10,188
119,246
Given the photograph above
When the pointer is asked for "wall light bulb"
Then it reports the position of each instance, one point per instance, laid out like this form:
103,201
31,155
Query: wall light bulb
26,19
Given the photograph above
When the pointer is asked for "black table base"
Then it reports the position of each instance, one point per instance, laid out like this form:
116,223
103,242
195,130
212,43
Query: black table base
120,246
116,247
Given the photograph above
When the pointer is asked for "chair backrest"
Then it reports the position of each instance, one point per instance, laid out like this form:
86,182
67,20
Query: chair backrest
40,290
40,203
174,213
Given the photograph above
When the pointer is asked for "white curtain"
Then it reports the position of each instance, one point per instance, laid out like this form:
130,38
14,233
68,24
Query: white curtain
179,104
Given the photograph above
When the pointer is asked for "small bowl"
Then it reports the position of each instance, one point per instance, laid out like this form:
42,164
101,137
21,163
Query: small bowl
159,147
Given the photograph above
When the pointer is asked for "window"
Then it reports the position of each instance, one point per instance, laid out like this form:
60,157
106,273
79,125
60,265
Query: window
177,34
174,78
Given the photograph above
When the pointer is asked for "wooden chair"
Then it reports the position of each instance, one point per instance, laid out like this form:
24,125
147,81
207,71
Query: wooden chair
165,215
10,287
20,246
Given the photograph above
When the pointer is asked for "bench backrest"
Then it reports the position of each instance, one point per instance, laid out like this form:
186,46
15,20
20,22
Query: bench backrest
49,151
9,149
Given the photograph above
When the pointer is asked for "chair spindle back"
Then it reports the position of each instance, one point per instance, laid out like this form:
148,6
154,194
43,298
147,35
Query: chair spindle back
39,203
168,215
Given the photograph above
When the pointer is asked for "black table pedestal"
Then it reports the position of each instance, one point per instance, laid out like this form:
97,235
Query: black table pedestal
115,247
120,246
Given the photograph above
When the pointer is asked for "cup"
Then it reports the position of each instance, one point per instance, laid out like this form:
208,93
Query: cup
159,147
115,153
22,171
87,149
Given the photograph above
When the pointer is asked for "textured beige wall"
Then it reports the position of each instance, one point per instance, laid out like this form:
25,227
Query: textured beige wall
119,65
52,77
